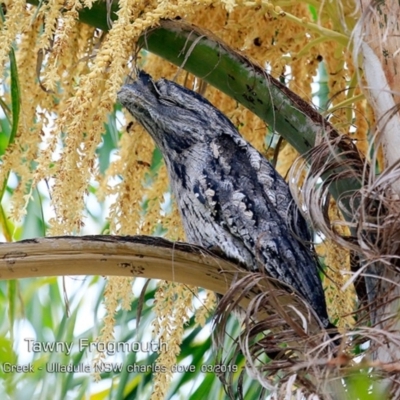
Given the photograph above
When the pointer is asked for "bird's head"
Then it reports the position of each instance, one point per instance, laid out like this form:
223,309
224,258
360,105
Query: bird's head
177,118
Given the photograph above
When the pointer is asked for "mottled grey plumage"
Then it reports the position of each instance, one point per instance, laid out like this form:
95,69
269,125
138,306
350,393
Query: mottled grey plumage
229,195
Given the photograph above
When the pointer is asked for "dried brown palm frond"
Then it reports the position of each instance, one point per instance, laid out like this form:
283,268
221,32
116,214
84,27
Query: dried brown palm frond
371,211
281,337
326,166
286,350
372,214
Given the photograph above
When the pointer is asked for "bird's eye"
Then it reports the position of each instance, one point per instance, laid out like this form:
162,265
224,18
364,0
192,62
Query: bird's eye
167,102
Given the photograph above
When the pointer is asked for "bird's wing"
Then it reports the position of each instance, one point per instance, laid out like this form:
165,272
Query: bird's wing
250,201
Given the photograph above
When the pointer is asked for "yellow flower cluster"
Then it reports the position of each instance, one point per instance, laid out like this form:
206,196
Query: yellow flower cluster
173,305
116,288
